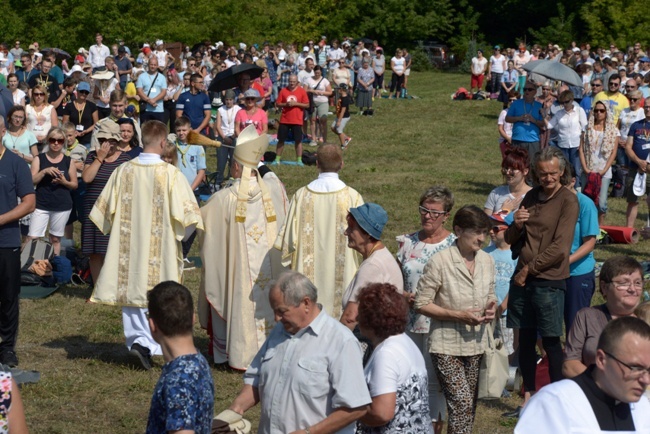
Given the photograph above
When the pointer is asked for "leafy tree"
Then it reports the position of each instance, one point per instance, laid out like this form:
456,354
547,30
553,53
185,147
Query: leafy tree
621,21
559,30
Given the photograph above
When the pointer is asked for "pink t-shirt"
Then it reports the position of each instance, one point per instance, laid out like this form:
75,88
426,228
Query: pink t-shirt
259,119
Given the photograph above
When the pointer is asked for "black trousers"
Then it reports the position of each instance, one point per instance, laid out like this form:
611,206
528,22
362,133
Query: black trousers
9,296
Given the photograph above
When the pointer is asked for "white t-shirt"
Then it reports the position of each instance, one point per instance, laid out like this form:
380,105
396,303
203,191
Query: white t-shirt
334,56
322,86
162,58
303,77
478,65
627,118
507,127
380,267
398,64
397,366
497,64
228,119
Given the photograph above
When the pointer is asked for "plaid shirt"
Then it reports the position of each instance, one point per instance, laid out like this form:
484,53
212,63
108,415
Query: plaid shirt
284,77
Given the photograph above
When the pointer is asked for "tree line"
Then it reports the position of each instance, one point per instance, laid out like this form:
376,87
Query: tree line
69,24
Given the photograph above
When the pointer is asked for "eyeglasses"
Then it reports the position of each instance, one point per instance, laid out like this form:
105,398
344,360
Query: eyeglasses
630,87
37,94
506,170
636,372
17,118
53,141
529,89
635,99
250,99
614,84
596,85
102,140
497,229
434,214
600,111
625,286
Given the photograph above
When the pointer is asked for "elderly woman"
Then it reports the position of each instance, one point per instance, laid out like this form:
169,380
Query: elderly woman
514,167
98,168
456,291
54,175
41,115
365,225
569,123
621,283
396,373
414,252
365,79
597,154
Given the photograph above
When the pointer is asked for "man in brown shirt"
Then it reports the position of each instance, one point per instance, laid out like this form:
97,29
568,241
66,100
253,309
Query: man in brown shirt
541,235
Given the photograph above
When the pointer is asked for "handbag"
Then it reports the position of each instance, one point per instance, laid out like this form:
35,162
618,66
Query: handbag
143,105
495,370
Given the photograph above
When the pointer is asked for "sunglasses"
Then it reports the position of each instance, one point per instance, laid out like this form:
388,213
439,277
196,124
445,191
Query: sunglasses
600,111
630,87
596,85
85,92
38,94
614,84
529,89
497,229
53,141
634,99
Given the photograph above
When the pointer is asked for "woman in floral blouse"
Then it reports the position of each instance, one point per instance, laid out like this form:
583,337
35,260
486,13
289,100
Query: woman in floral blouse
414,252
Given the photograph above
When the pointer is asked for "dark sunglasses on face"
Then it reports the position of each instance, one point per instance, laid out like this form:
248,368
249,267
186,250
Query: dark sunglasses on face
53,141
38,94
529,89
600,111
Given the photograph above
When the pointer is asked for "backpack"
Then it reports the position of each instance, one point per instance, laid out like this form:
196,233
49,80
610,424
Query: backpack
309,158
38,249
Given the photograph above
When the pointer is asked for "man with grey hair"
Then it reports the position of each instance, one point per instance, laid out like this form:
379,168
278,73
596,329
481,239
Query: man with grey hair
308,374
607,397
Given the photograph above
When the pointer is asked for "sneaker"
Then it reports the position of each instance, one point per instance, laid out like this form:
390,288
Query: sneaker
188,265
313,143
346,143
514,414
9,358
299,162
142,355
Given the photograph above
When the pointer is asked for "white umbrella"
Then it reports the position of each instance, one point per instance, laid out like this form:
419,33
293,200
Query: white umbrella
554,71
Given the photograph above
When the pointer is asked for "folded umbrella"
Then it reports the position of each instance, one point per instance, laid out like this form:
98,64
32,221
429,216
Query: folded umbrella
229,78
554,71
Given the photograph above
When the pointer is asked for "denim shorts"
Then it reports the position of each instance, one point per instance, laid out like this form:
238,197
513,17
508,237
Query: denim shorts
541,308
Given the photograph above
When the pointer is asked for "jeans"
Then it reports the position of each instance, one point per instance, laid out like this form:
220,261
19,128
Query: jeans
573,157
224,155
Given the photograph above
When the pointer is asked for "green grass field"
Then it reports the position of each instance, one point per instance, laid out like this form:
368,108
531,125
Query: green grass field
409,145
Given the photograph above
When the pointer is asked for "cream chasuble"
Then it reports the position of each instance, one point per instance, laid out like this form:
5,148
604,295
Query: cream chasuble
239,263
312,242
145,208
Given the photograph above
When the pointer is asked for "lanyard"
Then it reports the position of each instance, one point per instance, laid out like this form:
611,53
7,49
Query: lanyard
80,112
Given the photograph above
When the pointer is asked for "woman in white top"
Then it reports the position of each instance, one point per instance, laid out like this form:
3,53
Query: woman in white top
321,90
627,117
505,128
598,152
379,67
398,65
514,167
396,373
569,123
41,115
496,67
17,94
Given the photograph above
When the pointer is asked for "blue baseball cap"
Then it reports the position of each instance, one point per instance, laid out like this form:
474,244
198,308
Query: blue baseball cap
371,217
83,85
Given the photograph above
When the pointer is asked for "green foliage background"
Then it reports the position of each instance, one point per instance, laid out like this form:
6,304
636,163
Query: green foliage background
69,24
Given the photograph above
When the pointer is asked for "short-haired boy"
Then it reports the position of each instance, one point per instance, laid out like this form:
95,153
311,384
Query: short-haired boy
183,399
191,162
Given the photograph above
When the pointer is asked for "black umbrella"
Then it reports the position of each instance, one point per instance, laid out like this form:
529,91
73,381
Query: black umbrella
229,78
59,52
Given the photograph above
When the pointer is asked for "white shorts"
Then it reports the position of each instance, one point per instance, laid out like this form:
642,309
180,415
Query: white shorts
341,127
40,219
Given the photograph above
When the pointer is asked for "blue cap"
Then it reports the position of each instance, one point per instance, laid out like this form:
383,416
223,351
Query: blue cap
83,85
644,59
371,217
504,218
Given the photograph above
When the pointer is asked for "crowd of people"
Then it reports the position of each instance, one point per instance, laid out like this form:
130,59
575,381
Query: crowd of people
334,332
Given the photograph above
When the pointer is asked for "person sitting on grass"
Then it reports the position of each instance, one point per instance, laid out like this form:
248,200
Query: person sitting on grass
183,399
342,116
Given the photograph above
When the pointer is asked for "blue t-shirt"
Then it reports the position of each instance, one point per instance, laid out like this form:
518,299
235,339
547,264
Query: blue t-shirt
504,269
15,182
194,107
521,131
640,132
183,398
586,226
158,84
191,159
586,104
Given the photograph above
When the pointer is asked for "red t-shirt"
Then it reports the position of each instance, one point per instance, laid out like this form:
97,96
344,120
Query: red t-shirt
292,115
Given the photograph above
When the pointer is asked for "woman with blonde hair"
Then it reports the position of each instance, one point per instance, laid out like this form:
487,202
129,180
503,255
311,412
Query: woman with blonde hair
597,154
41,115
